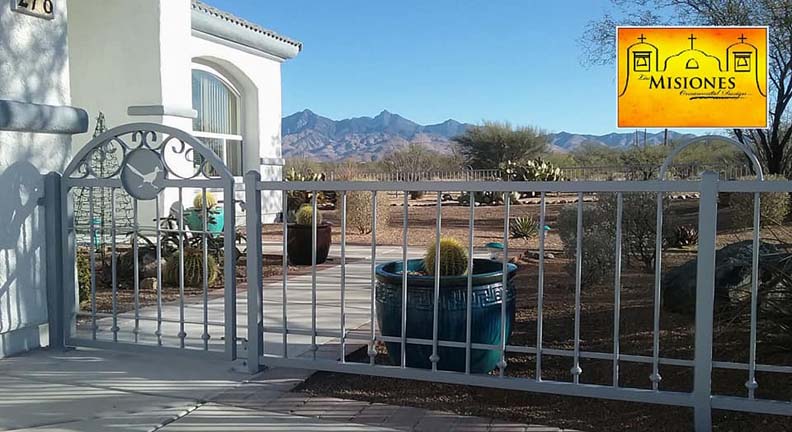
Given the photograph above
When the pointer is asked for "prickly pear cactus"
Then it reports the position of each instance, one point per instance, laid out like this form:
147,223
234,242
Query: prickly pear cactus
453,257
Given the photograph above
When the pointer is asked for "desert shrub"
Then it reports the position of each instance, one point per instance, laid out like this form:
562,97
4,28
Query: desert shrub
683,235
453,257
598,254
416,195
773,206
530,170
639,223
359,210
599,232
83,276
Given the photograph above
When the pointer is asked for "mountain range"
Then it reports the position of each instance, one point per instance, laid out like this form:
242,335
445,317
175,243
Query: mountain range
306,133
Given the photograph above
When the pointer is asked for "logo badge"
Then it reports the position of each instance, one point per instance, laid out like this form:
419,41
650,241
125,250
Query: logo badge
692,77
143,174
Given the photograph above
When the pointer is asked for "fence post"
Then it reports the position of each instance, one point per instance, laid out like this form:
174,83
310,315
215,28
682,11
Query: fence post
52,201
255,314
705,297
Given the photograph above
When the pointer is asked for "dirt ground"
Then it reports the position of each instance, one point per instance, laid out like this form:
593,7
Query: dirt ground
596,327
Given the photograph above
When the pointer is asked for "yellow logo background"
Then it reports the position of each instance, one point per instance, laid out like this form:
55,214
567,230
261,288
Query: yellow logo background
692,77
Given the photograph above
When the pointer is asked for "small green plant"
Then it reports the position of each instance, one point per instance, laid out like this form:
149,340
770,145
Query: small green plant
193,268
523,227
684,235
304,216
211,200
453,257
296,197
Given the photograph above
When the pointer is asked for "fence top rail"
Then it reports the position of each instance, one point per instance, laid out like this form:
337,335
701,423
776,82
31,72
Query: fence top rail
482,186
755,186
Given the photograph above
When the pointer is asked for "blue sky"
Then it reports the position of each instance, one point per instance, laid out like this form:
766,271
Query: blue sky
430,60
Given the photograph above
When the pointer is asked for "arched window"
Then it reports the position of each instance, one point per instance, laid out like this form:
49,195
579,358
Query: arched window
217,123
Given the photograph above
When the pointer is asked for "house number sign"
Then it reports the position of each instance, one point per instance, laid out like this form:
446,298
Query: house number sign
36,8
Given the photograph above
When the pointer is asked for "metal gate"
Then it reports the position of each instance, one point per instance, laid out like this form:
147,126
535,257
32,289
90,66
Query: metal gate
140,269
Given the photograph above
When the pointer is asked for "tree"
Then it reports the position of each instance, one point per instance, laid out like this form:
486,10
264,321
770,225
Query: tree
774,144
418,159
493,143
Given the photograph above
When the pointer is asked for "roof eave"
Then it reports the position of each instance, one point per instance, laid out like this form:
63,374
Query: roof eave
213,25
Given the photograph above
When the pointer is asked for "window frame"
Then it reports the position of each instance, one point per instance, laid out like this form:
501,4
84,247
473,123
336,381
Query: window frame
220,136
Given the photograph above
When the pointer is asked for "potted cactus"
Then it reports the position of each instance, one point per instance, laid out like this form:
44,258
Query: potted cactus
193,216
300,245
487,290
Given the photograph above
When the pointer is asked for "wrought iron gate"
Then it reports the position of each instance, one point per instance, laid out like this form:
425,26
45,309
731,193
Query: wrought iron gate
165,279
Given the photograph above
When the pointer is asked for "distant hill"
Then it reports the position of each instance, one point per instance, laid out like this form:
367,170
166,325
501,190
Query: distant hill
306,133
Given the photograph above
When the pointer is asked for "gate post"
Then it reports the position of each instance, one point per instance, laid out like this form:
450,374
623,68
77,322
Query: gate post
705,298
255,318
53,203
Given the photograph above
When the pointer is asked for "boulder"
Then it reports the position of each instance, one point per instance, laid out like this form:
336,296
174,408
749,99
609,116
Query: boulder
732,277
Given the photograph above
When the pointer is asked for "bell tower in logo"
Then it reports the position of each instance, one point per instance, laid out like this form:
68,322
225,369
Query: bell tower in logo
692,77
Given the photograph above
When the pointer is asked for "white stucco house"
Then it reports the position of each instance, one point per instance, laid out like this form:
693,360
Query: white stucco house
186,64
179,63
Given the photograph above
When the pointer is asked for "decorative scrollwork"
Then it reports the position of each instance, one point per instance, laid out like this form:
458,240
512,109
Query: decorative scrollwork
183,156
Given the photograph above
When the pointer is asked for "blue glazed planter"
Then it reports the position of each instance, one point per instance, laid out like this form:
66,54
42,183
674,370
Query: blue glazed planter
193,217
452,313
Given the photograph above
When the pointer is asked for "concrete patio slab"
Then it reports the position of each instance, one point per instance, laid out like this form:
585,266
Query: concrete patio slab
213,417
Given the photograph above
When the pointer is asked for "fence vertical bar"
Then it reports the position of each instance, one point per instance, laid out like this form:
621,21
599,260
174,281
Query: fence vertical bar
658,264
372,349
255,315
404,285
53,202
540,288
342,346
182,238
751,384
92,259
505,283
435,357
617,288
158,331
285,271
136,267
229,270
205,259
469,295
576,370
314,218
113,265
705,297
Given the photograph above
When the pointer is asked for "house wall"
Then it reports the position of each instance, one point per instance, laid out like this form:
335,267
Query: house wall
143,59
34,140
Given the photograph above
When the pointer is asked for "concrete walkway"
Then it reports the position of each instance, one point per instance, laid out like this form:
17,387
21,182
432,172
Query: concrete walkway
95,390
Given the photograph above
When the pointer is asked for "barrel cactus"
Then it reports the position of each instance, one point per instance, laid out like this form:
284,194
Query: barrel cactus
453,257
193,268
211,201
304,216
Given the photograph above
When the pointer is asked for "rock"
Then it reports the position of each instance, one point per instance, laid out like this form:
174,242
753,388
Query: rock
147,263
148,284
535,255
732,277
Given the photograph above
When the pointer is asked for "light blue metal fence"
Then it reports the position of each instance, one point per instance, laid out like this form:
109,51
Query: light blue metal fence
287,321
267,321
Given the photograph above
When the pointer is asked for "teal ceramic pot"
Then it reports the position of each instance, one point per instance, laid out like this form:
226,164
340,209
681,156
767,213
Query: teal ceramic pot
193,217
452,313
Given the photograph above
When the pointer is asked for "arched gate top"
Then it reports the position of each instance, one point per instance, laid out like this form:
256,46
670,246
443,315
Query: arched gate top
747,151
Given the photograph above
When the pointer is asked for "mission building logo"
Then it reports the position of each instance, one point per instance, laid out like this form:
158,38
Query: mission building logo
698,77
